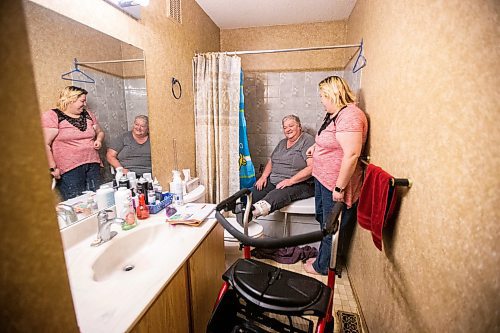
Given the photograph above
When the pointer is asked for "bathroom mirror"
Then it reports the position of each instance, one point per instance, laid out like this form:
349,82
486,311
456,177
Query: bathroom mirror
119,91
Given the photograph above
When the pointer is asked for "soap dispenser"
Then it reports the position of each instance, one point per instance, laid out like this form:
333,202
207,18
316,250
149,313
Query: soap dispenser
142,210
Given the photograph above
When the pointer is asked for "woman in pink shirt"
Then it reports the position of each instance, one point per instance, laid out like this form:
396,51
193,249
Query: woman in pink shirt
72,140
337,173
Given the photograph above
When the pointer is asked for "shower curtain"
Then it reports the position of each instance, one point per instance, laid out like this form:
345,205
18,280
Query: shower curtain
216,107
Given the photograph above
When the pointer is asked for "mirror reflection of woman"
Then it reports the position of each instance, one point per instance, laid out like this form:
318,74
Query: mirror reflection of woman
132,150
72,140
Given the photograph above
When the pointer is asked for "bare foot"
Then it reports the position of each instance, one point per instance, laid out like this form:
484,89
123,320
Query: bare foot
309,269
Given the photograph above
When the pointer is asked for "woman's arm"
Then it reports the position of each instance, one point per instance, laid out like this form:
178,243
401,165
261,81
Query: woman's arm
49,135
300,176
112,158
99,136
262,182
351,143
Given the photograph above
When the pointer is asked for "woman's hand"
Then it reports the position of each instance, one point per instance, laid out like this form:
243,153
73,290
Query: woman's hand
284,183
56,173
338,196
97,144
310,151
261,183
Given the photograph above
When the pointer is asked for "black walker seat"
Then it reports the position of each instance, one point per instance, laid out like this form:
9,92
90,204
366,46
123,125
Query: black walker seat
278,290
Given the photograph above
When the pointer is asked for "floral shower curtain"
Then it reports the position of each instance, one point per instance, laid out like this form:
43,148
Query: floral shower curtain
216,108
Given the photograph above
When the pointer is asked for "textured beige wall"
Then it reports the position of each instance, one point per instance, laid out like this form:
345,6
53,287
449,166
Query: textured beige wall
168,48
55,41
34,292
431,91
285,37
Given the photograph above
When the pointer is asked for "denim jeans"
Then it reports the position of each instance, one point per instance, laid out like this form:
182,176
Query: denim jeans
86,177
324,205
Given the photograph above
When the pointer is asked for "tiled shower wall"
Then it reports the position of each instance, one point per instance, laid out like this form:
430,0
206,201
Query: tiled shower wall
136,99
115,102
269,96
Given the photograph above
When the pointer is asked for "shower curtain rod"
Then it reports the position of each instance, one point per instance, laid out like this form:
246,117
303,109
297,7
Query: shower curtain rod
292,50
106,61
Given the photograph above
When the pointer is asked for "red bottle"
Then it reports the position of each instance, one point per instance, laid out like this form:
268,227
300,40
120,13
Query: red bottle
142,210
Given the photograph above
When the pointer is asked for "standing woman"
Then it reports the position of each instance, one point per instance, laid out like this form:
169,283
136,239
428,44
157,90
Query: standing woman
338,175
72,140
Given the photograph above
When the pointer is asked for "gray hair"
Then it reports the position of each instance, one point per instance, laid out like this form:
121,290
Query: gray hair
291,117
143,117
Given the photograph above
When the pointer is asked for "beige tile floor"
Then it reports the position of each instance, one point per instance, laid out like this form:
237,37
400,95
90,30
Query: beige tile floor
343,298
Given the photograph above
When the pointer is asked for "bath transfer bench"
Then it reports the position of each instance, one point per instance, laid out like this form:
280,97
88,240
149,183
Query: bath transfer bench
256,297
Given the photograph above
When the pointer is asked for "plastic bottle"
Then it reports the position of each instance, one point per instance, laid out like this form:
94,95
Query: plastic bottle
142,186
176,188
151,194
124,182
132,180
119,174
124,208
104,197
142,209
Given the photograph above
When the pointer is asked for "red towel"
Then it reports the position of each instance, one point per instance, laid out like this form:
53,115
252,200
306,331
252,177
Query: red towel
374,202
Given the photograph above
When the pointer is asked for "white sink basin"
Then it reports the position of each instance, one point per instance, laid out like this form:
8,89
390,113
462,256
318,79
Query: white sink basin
137,252
108,299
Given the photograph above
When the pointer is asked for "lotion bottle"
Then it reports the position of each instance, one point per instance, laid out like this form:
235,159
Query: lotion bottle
176,188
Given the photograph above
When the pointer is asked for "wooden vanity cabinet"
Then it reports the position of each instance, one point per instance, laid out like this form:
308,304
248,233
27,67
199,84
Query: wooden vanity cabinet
206,267
186,303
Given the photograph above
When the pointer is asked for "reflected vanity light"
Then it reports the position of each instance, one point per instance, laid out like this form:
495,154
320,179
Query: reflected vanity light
130,3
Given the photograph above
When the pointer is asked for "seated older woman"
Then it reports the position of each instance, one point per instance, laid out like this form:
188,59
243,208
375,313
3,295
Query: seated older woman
132,150
287,175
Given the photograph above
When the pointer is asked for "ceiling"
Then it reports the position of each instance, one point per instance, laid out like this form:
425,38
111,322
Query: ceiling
232,14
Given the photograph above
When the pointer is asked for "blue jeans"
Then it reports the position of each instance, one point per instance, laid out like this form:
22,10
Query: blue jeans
324,205
86,177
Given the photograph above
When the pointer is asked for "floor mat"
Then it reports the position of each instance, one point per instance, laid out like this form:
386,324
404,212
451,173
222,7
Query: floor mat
349,322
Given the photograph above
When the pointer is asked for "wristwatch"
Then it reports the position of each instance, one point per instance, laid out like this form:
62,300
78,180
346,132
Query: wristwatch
338,189
52,169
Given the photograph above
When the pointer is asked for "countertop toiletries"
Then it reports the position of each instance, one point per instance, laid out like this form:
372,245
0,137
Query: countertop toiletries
132,178
142,186
142,209
176,188
119,174
151,199
104,197
124,182
124,207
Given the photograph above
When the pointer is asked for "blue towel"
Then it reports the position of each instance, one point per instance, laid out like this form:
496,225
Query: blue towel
247,170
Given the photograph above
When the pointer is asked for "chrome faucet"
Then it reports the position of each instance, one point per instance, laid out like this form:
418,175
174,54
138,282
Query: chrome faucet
66,214
104,223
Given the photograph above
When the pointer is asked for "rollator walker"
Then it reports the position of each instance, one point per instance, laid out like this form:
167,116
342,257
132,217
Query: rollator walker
256,297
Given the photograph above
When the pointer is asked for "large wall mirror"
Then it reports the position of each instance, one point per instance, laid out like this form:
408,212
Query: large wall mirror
119,91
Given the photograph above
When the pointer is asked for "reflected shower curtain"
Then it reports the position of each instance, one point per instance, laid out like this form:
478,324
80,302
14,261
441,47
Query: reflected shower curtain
247,170
216,110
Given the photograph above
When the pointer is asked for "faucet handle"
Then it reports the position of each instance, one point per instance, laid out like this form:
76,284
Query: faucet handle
66,212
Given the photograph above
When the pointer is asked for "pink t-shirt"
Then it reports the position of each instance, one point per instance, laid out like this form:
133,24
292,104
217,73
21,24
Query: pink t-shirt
328,154
71,147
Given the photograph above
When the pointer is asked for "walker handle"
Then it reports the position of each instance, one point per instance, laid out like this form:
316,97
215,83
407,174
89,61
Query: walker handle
331,227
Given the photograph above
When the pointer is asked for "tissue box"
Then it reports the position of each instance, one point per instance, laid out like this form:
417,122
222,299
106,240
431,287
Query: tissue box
167,200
